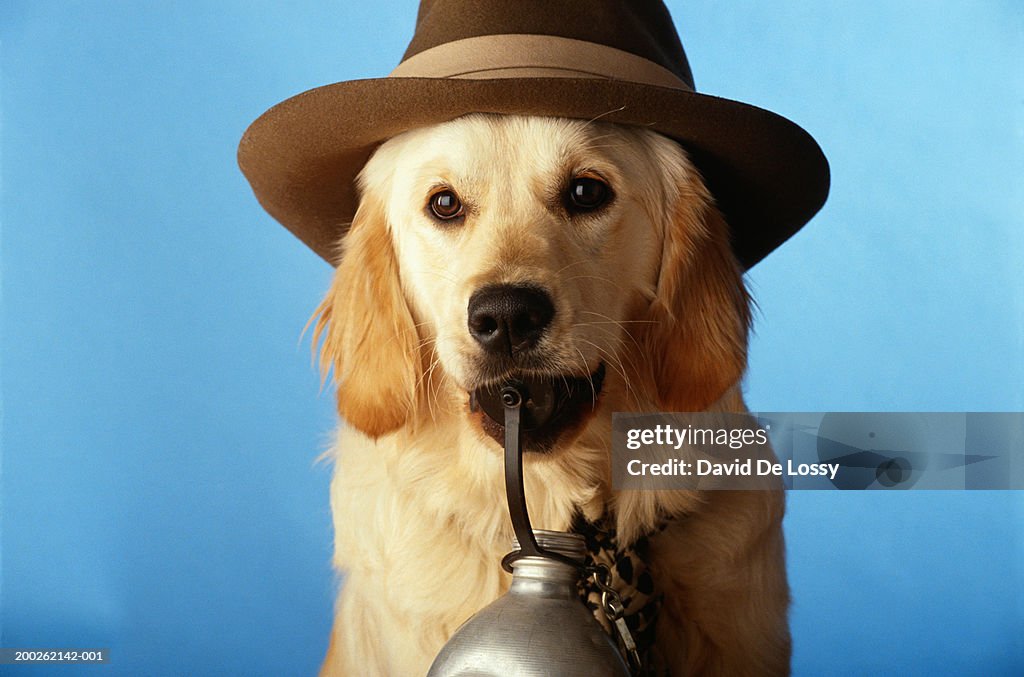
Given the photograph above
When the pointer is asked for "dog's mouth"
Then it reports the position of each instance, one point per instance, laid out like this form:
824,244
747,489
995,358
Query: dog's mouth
554,405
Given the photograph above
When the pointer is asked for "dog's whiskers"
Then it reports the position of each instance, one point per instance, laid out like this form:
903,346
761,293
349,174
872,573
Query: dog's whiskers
590,378
601,115
598,278
615,362
620,324
430,393
570,265
612,320
628,356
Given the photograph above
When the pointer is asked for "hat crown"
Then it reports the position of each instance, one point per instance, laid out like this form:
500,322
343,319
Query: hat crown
641,27
617,60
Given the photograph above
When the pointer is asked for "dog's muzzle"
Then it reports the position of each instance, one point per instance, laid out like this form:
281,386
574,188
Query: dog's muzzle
552,406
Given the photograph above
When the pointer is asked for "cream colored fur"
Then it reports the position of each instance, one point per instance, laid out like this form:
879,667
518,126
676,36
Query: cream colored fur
648,286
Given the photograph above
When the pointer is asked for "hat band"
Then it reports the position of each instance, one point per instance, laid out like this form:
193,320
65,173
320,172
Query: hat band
534,56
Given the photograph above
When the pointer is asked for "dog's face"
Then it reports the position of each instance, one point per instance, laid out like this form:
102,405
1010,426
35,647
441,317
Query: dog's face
569,256
520,241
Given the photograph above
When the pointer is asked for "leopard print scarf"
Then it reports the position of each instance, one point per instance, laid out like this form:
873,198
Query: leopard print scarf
630,578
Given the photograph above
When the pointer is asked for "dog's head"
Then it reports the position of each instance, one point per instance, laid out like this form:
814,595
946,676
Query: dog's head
586,260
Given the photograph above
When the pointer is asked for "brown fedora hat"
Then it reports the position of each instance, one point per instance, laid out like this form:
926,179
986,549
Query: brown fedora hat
617,60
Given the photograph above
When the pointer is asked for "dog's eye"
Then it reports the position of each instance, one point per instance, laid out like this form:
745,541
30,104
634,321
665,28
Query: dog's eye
587,193
445,205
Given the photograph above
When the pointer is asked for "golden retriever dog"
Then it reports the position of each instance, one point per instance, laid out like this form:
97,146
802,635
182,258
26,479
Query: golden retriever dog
490,247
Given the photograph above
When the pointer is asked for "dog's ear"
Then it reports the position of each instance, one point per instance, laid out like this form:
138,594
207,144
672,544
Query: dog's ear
700,317
369,337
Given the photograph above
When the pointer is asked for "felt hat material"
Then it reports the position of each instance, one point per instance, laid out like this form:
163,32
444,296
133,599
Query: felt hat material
617,60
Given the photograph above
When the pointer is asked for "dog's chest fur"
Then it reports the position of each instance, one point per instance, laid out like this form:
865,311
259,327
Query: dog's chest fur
421,527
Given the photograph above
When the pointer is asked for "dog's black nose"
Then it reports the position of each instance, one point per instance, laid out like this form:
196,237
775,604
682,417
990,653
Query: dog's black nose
509,319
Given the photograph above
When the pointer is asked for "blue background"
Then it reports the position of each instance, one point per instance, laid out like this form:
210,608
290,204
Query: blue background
161,417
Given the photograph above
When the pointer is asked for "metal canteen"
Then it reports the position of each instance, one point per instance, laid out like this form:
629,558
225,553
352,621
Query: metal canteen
540,626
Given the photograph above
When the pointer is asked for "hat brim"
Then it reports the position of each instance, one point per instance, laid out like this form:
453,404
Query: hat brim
301,157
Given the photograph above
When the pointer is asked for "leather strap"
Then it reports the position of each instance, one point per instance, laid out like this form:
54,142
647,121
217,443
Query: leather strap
513,397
